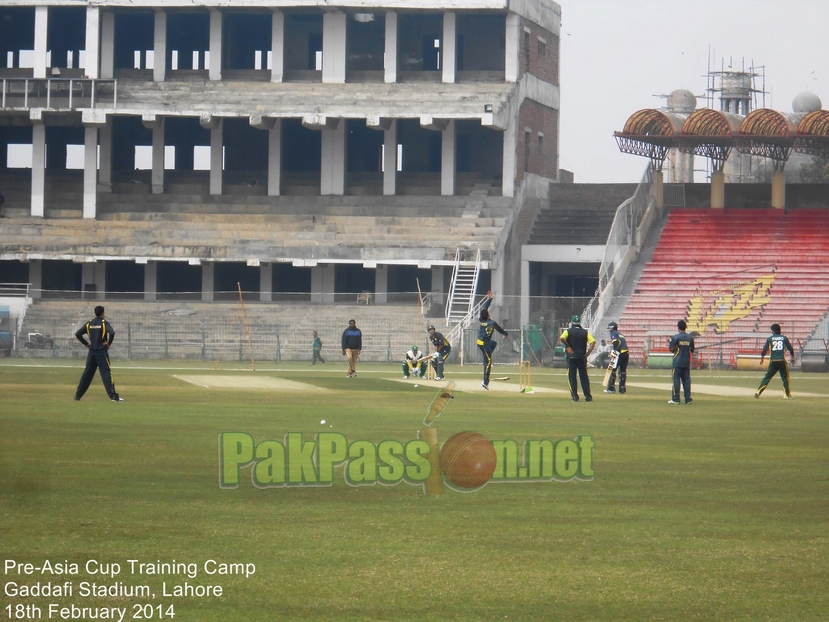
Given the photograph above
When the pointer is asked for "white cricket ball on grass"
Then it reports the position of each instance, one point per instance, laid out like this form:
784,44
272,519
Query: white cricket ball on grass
322,422
416,386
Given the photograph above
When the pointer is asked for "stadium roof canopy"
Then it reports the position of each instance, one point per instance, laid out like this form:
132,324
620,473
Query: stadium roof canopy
769,133
651,133
713,133
813,134
710,133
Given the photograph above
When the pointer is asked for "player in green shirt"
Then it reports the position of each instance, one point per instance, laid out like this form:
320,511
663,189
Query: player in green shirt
776,347
316,349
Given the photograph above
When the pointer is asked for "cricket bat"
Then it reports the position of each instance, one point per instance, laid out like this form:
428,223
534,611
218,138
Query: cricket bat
426,357
611,365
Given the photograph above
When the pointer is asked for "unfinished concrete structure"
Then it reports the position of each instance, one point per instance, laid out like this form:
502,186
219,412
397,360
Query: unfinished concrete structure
303,148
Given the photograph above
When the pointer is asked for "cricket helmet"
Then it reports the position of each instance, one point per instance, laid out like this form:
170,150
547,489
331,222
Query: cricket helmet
575,319
430,327
414,348
613,326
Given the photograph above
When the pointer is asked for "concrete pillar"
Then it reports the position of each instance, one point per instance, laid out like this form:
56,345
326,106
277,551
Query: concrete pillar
99,277
509,160
438,294
778,190
207,272
381,284
316,284
332,169
87,278
512,48
150,280
275,159
36,277
448,160
718,190
160,47
157,184
92,55
265,282
333,47
328,282
525,292
390,62
38,168
277,46
90,171
390,159
216,158
215,70
107,45
658,189
41,40
449,62
502,304
105,170
685,168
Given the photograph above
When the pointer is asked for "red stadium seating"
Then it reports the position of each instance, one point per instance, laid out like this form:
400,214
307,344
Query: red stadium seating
729,273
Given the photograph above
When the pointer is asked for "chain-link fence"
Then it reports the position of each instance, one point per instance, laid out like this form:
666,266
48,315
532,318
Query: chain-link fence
284,332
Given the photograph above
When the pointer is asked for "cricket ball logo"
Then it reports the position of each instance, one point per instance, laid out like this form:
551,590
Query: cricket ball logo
467,460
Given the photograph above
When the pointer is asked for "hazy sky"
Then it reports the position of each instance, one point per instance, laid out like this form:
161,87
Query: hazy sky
617,54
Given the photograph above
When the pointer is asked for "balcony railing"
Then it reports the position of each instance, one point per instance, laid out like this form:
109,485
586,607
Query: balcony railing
58,93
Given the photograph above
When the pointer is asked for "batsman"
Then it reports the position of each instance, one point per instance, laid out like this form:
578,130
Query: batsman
618,360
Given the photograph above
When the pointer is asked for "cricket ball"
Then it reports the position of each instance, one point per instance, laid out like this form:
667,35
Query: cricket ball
468,459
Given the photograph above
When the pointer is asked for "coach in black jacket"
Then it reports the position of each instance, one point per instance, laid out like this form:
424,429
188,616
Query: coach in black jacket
579,344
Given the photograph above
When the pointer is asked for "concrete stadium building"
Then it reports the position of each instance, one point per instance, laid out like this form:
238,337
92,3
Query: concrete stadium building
305,150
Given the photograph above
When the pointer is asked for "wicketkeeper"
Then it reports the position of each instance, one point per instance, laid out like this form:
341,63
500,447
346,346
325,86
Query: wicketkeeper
414,363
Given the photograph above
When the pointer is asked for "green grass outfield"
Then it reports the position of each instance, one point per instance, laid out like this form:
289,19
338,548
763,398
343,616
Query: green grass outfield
718,510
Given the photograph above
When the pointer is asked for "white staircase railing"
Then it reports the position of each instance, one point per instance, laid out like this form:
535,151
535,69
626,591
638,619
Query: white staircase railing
460,306
457,329
462,290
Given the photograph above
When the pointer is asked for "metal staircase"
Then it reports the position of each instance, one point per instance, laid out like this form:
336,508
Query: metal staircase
460,306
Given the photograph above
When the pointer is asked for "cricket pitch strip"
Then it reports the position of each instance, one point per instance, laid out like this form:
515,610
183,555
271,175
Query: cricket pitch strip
244,381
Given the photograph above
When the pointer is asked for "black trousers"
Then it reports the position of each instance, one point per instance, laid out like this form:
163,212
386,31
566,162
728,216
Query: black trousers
486,352
578,366
96,360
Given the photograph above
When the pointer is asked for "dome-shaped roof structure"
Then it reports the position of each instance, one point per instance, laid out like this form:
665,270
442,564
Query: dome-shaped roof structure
710,133
768,123
682,100
806,102
768,133
655,123
650,133
813,133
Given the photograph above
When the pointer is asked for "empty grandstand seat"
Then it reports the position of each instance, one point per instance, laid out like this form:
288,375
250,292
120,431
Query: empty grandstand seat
733,271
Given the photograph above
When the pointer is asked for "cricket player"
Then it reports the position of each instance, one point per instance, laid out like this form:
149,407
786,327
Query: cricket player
414,363
620,346
776,347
